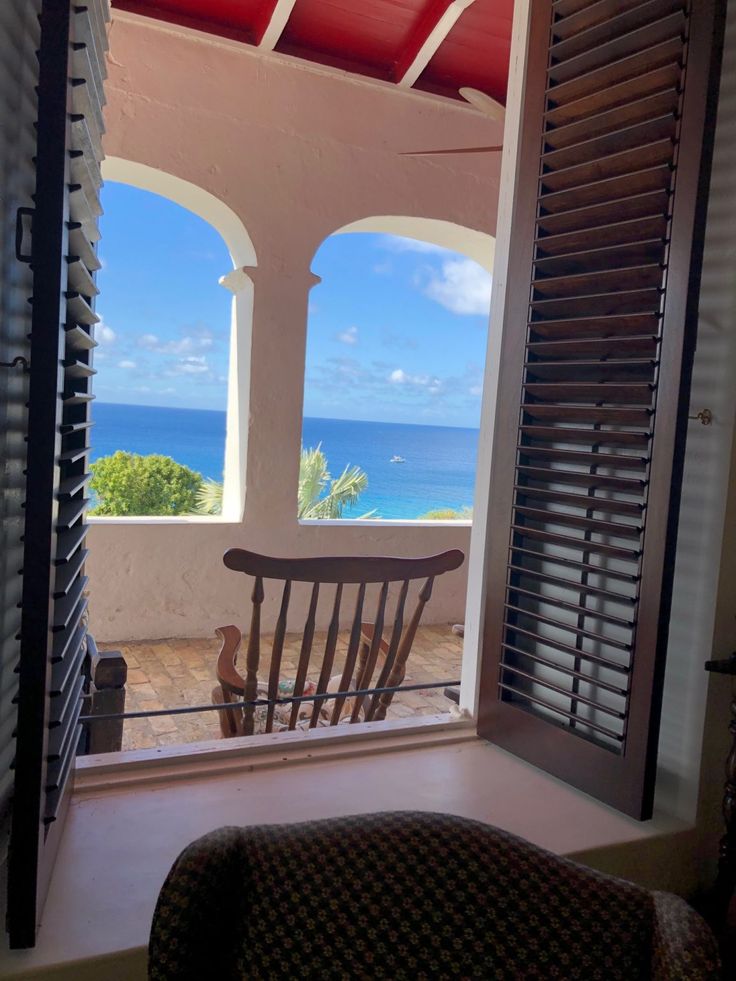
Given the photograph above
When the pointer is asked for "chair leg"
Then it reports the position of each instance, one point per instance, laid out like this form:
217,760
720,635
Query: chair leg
228,719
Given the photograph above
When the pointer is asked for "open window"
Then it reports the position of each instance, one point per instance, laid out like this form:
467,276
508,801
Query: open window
174,359
396,345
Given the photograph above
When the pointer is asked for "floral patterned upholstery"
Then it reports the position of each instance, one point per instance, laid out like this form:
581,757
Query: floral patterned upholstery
410,895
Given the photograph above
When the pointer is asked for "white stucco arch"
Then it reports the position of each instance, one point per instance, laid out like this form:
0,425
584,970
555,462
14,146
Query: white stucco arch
243,256
476,245
209,208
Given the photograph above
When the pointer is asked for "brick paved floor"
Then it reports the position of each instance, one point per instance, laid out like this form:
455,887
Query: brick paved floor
173,673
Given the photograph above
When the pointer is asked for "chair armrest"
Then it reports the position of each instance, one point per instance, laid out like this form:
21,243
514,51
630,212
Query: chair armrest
683,946
366,634
227,674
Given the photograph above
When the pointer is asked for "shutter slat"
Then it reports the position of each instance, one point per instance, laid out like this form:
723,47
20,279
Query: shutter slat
573,81
577,544
80,245
595,437
67,573
578,456
69,541
573,717
642,252
649,107
569,413
571,672
575,586
588,348
601,215
70,512
78,339
591,503
575,652
577,16
598,639
540,681
79,310
73,368
650,180
564,604
604,371
65,607
645,229
547,516
628,393
523,553
589,105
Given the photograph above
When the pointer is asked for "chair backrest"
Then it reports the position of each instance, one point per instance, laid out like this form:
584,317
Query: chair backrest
366,647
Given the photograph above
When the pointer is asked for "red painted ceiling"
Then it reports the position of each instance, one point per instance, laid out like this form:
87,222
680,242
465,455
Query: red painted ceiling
377,38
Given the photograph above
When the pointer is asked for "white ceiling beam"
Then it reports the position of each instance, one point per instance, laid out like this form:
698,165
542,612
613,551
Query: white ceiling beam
275,27
431,32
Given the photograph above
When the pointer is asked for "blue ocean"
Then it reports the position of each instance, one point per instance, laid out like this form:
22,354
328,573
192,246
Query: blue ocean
438,472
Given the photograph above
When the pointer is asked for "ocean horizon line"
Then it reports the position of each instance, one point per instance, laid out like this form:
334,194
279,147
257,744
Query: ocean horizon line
370,422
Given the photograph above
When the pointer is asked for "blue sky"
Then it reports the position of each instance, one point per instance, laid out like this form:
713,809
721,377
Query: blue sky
396,331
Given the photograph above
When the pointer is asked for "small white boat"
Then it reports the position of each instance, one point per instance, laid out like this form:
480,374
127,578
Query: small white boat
397,459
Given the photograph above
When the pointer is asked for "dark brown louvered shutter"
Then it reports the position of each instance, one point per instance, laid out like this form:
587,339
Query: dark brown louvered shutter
18,63
53,635
598,341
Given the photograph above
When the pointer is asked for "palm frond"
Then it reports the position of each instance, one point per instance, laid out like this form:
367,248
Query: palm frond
209,497
313,478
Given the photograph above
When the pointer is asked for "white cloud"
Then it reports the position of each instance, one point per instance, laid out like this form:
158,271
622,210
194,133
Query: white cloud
104,334
191,366
476,390
349,336
199,340
462,287
429,382
127,364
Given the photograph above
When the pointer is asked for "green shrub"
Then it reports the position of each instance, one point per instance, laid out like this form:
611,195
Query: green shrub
131,484
448,514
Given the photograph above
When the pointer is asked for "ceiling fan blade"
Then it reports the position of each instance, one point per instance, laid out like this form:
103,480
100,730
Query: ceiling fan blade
483,102
467,149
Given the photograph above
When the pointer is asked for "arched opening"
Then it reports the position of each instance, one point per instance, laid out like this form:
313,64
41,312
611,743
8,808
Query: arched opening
171,337
396,347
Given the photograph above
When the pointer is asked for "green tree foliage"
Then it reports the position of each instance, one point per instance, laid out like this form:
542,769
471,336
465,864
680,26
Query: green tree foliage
131,484
448,514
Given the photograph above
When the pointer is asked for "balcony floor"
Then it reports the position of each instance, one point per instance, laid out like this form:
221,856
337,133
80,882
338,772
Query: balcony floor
175,673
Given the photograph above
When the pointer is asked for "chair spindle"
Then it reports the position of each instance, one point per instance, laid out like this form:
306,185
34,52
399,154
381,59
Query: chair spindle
253,656
276,654
392,649
329,656
350,657
364,677
399,668
304,656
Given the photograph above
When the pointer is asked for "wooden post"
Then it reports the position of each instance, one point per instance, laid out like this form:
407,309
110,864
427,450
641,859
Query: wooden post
107,697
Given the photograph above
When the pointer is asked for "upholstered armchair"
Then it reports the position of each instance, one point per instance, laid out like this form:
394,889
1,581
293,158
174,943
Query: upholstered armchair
411,895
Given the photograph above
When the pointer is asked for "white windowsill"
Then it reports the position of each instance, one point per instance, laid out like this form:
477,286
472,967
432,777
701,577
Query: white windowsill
381,522
129,820
163,519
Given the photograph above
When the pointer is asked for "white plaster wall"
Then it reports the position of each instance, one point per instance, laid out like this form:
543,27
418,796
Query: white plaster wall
296,152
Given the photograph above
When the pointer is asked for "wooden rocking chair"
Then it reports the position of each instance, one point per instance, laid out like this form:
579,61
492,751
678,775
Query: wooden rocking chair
367,650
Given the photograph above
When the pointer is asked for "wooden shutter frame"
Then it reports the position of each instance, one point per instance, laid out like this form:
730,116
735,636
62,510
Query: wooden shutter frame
626,781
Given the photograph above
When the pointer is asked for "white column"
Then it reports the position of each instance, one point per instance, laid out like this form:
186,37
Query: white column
240,285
